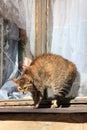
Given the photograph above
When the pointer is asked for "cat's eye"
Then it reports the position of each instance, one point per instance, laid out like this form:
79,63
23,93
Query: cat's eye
20,89
25,87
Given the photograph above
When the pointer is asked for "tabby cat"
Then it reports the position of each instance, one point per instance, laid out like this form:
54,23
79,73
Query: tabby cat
47,71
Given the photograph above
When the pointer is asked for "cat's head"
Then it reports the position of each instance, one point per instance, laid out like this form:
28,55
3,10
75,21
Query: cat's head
24,83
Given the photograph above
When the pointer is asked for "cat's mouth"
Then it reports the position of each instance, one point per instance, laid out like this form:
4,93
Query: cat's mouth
23,92
25,89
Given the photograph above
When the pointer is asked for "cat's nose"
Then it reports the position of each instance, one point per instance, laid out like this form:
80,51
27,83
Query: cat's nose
24,92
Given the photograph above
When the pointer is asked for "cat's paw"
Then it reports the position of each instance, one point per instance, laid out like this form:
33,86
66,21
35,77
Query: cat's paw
36,106
54,104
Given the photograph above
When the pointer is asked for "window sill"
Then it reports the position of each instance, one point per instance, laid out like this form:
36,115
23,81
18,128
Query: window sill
77,105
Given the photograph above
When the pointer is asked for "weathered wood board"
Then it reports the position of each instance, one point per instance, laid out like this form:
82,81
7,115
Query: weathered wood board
77,105
43,26
43,121
1,50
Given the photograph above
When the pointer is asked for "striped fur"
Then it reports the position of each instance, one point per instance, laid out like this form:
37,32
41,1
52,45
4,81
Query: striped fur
47,71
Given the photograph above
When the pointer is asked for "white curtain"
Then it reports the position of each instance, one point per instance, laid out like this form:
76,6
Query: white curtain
20,12
70,35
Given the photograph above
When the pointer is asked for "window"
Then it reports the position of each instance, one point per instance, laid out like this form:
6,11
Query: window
53,31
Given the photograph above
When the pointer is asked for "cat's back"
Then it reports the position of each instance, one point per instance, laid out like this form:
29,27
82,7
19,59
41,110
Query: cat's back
53,60
47,58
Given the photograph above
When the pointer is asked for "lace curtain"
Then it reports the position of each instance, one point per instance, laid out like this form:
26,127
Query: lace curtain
69,30
20,12
69,37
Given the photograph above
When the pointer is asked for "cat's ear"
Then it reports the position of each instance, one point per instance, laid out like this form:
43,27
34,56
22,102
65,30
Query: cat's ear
15,80
27,71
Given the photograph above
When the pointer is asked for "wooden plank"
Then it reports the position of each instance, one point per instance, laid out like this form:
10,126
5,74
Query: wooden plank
26,105
70,118
41,121
44,26
43,110
1,50
27,102
79,100
49,24
17,103
38,27
39,125
85,121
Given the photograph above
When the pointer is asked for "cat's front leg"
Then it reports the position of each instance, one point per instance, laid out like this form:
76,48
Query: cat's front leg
38,103
37,97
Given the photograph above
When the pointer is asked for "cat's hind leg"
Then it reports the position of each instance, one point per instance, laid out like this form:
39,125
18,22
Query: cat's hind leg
54,103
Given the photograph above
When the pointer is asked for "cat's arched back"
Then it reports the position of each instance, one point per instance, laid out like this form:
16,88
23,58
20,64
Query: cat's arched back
48,71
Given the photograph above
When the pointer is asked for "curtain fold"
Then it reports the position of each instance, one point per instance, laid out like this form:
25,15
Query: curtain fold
17,15
69,37
20,12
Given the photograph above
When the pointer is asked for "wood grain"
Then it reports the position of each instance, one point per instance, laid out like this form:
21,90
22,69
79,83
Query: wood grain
77,105
41,26
1,50
38,27
42,121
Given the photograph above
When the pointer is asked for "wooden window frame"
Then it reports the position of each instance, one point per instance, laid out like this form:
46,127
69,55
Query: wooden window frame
1,52
43,28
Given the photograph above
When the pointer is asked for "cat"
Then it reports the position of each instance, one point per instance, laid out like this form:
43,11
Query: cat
47,71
